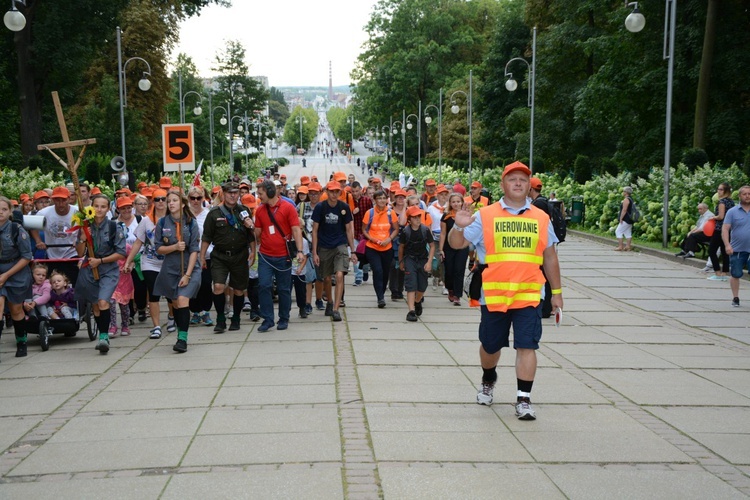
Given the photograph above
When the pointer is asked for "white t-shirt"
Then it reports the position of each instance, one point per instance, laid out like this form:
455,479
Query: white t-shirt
201,219
150,260
55,233
436,212
130,230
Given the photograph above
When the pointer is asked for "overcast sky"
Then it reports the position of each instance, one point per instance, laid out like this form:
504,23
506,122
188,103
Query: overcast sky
289,41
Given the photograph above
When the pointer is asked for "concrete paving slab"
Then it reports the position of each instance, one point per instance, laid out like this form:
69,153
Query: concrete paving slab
466,483
103,455
554,385
721,319
740,334
179,380
280,376
268,448
704,356
125,488
248,359
270,420
402,352
276,395
591,434
156,424
466,353
31,405
45,385
723,430
178,363
576,334
633,293
385,331
736,380
14,428
597,483
610,318
92,363
667,387
666,305
318,483
609,356
418,384
151,399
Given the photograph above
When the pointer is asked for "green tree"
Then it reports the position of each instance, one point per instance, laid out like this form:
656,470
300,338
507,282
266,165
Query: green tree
236,87
278,109
309,119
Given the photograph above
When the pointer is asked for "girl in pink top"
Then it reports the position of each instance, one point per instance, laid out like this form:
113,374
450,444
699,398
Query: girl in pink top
123,295
40,290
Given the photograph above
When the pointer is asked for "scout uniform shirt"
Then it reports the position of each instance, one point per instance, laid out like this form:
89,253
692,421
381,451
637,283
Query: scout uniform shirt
224,228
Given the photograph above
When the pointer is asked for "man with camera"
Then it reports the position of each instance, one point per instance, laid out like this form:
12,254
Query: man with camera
229,228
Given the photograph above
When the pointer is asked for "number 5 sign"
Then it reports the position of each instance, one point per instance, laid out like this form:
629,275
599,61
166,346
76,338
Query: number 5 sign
178,146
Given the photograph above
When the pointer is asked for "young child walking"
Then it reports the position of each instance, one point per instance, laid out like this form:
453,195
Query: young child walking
415,260
124,293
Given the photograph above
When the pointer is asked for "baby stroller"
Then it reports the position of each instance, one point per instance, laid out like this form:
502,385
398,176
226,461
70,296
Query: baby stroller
45,327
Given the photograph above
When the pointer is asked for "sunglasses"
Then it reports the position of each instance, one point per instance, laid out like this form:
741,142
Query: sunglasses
160,199
196,198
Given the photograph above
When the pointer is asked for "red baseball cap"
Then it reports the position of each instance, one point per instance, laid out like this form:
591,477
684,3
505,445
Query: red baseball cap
59,192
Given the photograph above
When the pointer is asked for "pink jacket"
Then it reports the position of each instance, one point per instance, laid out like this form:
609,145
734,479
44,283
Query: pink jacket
40,293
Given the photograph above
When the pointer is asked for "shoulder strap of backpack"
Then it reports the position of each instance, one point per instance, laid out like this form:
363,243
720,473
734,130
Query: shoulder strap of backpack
372,214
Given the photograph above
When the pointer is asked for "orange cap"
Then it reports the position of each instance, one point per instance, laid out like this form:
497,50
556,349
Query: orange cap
43,194
314,178
339,176
315,186
147,192
14,203
160,193
141,185
400,192
375,180
249,201
124,201
303,189
536,183
516,166
165,182
430,182
282,176
414,211
24,198
333,186
215,189
476,184
95,190
304,180
441,189
59,192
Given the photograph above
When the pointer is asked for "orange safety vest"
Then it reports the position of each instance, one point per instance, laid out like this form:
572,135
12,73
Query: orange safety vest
476,205
514,247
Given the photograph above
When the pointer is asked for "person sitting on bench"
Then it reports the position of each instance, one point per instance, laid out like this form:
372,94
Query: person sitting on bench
700,234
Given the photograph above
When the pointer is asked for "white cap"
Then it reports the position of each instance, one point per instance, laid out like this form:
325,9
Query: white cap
277,182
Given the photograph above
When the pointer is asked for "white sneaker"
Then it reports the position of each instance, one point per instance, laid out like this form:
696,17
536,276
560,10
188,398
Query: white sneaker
171,326
524,411
155,333
484,396
708,269
445,291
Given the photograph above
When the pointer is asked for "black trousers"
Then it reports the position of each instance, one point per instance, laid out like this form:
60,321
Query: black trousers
718,244
690,244
204,301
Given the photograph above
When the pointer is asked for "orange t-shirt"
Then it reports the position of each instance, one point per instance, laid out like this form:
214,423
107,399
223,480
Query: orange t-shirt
379,225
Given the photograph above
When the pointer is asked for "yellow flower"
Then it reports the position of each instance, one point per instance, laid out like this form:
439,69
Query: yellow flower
89,212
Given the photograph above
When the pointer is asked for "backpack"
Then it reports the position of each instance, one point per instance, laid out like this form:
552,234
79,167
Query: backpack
635,214
372,215
427,239
557,218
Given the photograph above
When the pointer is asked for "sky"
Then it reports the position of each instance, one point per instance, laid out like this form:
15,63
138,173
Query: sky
289,41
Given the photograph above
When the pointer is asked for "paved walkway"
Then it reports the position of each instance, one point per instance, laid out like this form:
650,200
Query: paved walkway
643,392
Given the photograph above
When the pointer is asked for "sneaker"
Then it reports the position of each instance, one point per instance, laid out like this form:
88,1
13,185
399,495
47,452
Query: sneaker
411,316
103,346
707,269
195,319
221,326
21,350
365,276
342,303
265,326
689,254
524,411
125,331
319,305
418,308
155,333
112,332
445,291
357,282
484,396
335,316
716,277
302,313
283,324
234,325
229,314
736,302
329,309
456,301
171,326
142,315
180,346
308,308
681,254
247,307
254,316
206,319
381,304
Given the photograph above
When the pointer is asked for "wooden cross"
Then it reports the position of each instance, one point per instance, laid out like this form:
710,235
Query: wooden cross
71,165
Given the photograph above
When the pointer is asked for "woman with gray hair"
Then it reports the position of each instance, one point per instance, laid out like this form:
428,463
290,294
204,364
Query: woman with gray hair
624,231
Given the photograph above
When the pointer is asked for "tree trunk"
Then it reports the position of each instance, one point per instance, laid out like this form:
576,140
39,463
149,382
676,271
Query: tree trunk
29,98
704,78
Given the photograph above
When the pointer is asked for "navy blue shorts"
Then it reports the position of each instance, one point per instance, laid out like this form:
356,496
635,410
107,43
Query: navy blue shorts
737,263
494,328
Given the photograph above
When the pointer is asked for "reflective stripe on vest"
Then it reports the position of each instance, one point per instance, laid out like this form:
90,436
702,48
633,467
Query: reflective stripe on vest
515,246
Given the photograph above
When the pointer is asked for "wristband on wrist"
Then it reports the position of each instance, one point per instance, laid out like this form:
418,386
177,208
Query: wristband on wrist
459,229
556,291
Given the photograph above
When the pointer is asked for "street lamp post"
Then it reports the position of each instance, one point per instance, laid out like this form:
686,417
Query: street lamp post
455,109
211,128
512,85
197,110
301,121
403,138
231,139
144,84
634,23
428,120
13,19
409,126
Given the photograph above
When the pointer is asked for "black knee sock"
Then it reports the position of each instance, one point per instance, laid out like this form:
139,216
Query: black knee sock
19,328
103,320
524,386
220,303
238,304
182,318
489,375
